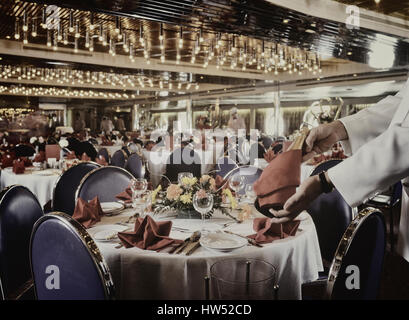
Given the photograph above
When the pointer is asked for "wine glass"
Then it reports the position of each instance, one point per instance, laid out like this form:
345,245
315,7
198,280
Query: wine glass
250,193
203,203
236,183
182,175
138,186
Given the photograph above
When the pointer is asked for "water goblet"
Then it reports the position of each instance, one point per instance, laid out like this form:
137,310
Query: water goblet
203,203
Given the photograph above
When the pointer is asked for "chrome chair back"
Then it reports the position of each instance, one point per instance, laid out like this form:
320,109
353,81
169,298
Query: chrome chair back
19,210
67,184
66,263
104,183
356,270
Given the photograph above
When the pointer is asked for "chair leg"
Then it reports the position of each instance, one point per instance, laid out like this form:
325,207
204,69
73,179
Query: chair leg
391,230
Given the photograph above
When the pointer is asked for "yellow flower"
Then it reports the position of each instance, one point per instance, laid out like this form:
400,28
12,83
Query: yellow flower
173,192
155,193
188,182
233,202
205,178
186,198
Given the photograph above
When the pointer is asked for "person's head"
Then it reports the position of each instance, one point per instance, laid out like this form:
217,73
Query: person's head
233,113
149,145
104,118
77,116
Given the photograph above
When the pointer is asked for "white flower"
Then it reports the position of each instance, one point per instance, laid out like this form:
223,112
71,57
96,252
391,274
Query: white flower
6,133
63,143
33,139
41,139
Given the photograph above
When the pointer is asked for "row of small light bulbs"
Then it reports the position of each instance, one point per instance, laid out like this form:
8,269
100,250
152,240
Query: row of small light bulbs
57,92
72,77
274,59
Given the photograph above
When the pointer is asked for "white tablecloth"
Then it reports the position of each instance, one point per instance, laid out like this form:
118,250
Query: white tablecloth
157,161
41,185
140,274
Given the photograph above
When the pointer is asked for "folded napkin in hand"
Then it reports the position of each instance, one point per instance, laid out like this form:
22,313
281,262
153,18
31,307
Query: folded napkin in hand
18,166
88,213
266,231
269,155
40,157
125,195
149,235
279,180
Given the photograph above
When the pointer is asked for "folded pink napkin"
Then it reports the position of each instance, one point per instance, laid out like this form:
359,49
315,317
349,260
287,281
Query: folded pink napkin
266,231
88,213
27,161
149,235
7,160
125,195
18,166
279,180
40,157
269,155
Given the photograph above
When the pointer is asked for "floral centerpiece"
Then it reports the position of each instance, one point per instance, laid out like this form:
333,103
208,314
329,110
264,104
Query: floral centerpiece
179,197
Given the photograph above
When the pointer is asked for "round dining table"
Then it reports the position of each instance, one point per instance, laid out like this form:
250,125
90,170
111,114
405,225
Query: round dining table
40,182
144,274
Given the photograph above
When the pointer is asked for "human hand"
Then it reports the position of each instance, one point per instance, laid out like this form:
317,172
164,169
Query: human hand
323,137
308,191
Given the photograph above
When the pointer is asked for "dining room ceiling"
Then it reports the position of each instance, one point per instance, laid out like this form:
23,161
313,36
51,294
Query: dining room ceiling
395,8
325,45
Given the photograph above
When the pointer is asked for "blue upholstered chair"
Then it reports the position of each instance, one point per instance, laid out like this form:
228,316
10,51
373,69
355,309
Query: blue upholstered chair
61,248
331,216
104,182
359,255
387,202
224,166
119,158
67,184
363,245
135,166
183,160
19,210
103,152
89,149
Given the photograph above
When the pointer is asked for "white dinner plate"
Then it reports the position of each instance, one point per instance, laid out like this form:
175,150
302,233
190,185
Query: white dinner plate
112,208
106,233
46,172
222,242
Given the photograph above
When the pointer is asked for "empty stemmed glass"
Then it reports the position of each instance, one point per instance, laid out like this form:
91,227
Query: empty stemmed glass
203,203
236,182
250,193
182,175
138,187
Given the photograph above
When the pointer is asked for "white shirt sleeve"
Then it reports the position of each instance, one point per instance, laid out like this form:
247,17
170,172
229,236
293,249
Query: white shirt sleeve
379,151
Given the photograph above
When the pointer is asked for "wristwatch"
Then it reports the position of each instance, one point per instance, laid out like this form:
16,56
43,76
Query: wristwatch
326,186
